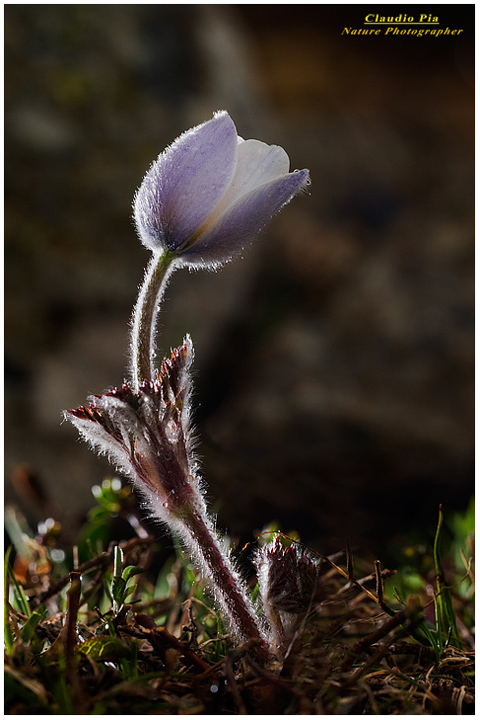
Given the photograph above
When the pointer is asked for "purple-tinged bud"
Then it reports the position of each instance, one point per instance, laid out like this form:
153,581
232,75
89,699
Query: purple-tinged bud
287,576
210,193
146,434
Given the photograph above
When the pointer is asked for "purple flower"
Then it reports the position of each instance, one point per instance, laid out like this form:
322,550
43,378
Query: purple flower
210,193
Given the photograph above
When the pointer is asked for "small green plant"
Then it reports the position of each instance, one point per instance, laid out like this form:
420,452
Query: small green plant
430,583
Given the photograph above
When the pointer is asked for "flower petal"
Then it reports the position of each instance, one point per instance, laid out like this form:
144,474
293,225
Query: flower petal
186,183
241,222
257,163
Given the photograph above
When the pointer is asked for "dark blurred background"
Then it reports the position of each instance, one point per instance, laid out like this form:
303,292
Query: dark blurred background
334,363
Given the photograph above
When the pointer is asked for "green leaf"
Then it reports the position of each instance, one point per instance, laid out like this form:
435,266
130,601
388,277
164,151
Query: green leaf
19,596
8,633
446,619
431,639
117,560
105,648
28,630
98,514
132,570
118,590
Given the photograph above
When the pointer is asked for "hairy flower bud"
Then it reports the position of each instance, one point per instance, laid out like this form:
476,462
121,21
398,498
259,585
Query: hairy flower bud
286,578
146,434
210,193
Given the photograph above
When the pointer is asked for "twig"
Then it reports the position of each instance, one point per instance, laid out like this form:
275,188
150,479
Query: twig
233,687
363,644
160,639
350,566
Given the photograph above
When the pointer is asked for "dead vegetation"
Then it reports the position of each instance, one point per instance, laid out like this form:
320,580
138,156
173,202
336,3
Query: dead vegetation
87,643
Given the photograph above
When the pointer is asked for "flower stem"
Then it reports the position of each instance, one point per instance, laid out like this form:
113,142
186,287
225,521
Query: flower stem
145,317
188,515
219,572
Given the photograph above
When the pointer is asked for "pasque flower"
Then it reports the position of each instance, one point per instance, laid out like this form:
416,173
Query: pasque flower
211,192
201,202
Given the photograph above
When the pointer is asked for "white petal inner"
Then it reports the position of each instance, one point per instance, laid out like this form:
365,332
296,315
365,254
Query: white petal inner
257,163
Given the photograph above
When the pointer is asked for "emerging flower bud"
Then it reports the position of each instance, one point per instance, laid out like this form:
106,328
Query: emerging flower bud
286,578
210,193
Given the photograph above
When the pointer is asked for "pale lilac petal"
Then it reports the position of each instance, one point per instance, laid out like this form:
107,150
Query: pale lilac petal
211,192
186,183
257,163
241,222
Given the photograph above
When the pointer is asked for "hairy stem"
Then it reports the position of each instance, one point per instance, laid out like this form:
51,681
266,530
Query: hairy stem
145,317
227,586
187,513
